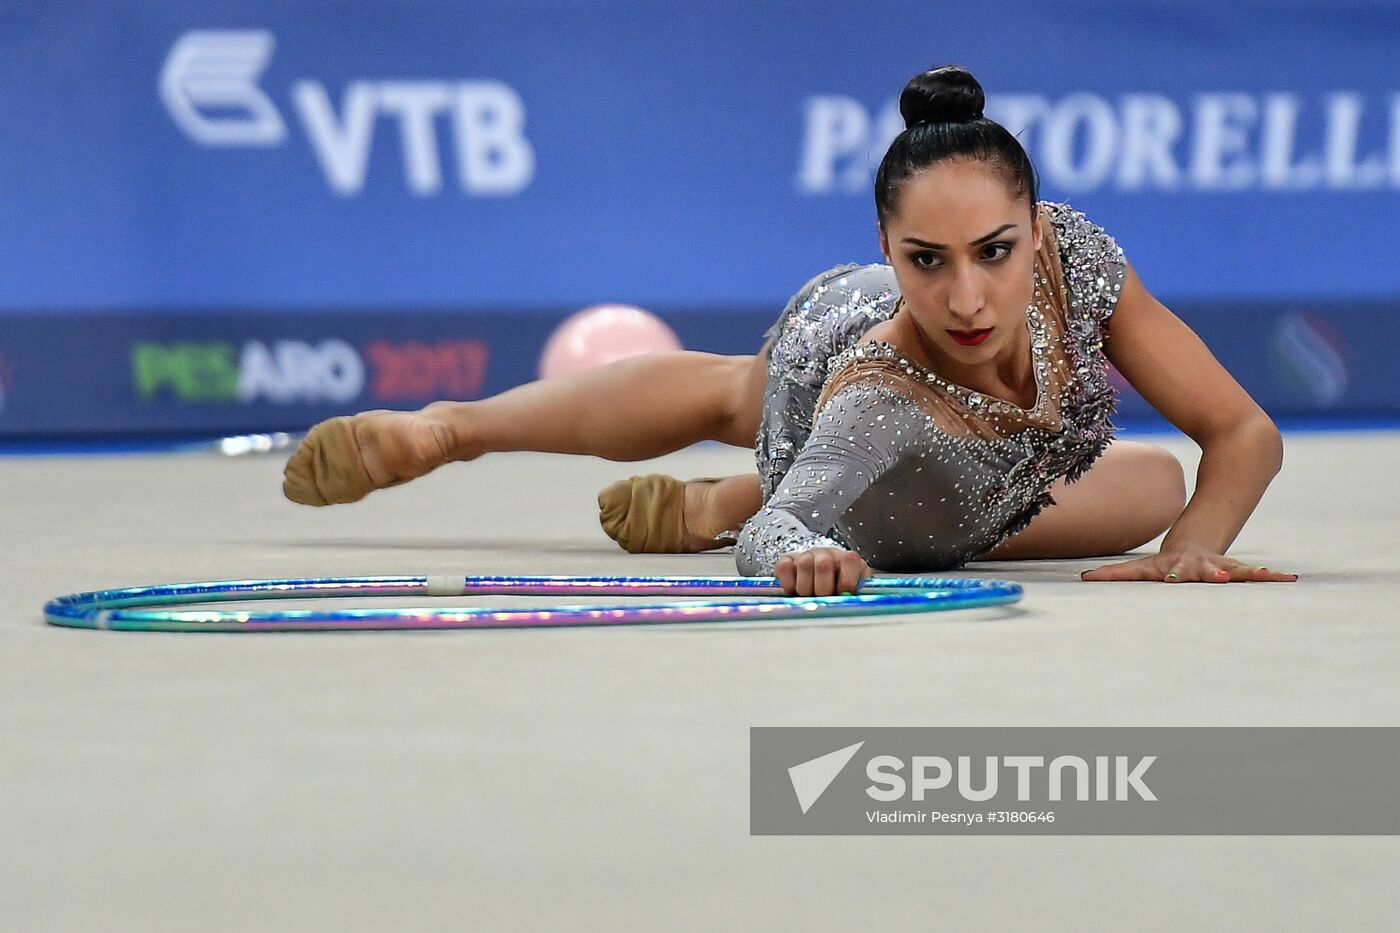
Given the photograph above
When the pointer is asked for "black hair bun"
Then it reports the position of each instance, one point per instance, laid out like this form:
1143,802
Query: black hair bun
946,94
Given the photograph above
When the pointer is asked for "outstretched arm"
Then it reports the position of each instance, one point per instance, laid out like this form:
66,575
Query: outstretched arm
789,535
1241,448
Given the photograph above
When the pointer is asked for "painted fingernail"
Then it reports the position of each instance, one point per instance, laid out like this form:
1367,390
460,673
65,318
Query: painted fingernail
1222,573
1173,576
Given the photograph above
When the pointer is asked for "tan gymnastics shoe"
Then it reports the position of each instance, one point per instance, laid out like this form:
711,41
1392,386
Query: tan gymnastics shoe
344,459
646,515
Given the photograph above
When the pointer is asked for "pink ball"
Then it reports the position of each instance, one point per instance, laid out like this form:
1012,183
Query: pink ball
603,334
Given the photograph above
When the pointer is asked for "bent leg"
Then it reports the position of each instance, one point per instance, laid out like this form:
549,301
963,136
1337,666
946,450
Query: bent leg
1129,496
660,514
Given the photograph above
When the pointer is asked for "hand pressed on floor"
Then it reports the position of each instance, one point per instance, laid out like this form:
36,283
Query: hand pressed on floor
1188,565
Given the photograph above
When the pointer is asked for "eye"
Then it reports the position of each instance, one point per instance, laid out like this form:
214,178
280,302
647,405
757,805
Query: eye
989,251
925,260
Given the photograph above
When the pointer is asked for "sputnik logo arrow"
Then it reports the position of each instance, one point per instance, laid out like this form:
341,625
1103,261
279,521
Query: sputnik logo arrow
810,779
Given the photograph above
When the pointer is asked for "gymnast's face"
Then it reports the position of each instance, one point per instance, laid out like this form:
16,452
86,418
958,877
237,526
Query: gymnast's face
963,247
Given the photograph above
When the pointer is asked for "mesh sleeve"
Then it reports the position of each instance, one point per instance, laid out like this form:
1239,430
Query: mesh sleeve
854,441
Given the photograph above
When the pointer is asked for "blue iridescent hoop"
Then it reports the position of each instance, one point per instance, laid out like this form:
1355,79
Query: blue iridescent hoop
129,609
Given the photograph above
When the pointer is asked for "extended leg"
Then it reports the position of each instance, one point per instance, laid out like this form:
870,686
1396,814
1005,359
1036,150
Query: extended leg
634,409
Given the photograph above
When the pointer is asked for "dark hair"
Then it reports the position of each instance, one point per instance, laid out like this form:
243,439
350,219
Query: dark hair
942,110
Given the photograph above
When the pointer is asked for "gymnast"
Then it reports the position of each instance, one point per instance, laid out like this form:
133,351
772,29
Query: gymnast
948,406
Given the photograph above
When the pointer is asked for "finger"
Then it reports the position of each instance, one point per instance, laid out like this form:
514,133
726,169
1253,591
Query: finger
1105,572
852,570
804,574
1195,572
1203,570
846,579
1137,569
823,574
1180,572
786,572
1245,573
1212,569
1232,571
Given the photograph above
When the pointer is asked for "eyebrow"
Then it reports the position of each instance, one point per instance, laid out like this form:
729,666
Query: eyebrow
977,242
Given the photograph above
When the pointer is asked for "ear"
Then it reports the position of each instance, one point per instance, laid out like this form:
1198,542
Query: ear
1037,232
885,244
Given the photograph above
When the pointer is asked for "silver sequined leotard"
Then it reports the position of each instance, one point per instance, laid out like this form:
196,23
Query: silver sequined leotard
863,448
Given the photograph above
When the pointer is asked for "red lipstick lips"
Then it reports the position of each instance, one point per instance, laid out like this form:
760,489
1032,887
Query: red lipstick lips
970,338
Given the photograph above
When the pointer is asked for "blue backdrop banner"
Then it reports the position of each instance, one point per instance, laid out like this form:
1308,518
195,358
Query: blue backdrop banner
461,174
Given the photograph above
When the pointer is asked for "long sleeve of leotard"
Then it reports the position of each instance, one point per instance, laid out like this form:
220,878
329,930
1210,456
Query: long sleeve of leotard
859,435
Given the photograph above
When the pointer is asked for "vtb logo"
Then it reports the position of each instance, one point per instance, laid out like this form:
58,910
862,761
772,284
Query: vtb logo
210,88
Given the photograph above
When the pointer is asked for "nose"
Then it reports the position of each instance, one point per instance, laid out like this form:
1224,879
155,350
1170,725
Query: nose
966,295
